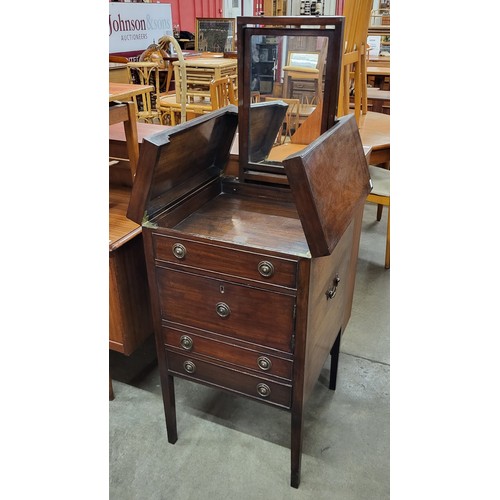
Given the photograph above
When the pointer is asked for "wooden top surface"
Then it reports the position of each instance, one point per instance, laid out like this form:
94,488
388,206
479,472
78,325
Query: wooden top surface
121,229
115,65
249,221
209,62
374,129
378,70
122,91
376,93
117,132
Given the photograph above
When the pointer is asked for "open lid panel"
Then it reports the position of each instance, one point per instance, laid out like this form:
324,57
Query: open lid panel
329,179
266,119
177,162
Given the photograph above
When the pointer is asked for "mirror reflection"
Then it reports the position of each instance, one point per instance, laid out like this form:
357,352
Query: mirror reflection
289,70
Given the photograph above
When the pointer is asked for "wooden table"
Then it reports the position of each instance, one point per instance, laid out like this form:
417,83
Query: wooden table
119,173
374,129
129,305
200,71
379,76
378,70
379,101
125,91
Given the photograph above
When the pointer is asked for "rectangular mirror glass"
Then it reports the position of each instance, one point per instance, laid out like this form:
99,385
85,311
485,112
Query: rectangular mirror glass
289,81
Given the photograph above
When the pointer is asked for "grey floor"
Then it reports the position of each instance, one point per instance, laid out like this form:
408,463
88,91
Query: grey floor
230,447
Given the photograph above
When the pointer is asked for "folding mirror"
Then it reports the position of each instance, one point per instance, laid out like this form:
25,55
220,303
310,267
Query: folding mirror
288,80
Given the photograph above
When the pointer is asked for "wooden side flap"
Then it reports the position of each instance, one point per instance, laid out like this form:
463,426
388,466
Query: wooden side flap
178,161
329,179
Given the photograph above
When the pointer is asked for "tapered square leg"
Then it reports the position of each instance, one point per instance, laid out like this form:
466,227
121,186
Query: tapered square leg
334,362
169,406
296,448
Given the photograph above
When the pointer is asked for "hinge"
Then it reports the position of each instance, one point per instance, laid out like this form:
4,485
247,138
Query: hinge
292,341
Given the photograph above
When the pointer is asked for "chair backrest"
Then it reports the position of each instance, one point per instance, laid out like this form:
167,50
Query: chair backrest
357,18
303,59
222,92
145,73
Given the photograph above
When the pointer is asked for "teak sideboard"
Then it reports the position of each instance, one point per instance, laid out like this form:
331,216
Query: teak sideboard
251,284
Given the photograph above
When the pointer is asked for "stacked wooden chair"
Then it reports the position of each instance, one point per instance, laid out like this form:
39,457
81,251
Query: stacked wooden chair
353,74
146,73
222,93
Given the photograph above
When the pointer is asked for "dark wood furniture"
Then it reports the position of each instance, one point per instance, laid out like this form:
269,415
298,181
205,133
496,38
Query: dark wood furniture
252,275
252,284
129,306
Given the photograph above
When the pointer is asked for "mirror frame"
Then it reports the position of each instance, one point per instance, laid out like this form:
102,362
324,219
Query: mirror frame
332,28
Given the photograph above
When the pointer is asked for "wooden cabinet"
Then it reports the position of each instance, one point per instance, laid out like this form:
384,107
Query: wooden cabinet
130,322
251,284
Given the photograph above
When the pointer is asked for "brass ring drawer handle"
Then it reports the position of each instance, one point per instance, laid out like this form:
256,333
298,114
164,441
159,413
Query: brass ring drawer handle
263,390
266,269
222,309
179,251
186,342
264,363
189,366
331,292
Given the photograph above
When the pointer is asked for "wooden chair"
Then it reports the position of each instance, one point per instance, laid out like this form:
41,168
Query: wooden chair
222,93
380,195
353,72
374,127
291,122
146,73
293,71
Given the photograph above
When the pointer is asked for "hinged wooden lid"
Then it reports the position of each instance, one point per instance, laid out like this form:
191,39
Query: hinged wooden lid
174,163
329,179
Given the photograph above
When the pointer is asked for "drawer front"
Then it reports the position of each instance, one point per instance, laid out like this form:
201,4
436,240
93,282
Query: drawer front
259,361
251,314
227,261
302,85
242,383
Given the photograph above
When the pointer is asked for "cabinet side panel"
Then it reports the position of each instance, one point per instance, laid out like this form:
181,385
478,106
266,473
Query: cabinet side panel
327,299
129,305
357,221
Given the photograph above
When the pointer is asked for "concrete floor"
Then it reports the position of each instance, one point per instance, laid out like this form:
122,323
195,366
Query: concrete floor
230,447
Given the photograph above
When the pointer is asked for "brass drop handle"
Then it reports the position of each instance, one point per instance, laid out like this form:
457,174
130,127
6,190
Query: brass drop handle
264,363
330,293
179,251
222,309
189,366
186,342
266,269
263,390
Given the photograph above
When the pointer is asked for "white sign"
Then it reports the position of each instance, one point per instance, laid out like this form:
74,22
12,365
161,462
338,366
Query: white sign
135,26
374,42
